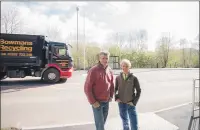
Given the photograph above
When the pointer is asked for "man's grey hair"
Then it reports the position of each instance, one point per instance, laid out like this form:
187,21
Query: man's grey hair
126,62
105,53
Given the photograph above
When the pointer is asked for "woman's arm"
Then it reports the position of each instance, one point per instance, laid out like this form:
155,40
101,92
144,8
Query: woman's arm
138,91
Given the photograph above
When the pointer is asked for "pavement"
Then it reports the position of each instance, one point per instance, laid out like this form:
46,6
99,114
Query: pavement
172,119
30,104
148,121
180,117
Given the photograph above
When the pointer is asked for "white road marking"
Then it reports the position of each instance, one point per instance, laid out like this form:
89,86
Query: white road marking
84,75
148,121
57,126
65,86
72,83
172,107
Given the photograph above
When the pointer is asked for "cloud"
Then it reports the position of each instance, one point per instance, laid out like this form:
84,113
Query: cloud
57,5
37,21
104,18
118,8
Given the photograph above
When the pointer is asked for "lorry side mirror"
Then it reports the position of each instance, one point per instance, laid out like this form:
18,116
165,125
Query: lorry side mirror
70,45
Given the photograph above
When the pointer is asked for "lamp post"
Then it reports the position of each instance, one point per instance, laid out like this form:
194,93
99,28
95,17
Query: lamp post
77,9
84,38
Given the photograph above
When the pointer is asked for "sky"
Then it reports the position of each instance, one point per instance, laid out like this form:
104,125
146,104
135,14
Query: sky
101,19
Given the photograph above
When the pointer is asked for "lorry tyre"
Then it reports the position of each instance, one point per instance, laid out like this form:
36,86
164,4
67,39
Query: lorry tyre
62,80
51,75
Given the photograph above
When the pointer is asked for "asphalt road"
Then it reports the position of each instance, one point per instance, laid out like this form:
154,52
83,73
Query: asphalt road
29,102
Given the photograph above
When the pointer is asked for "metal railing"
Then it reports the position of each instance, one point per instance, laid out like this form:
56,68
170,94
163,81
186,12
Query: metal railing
194,119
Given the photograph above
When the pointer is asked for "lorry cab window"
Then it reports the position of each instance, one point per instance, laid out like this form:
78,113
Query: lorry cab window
62,51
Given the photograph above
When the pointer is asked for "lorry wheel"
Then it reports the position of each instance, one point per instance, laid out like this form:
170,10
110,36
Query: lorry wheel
51,75
62,80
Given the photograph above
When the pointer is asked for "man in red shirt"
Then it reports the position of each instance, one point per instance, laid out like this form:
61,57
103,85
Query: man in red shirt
99,89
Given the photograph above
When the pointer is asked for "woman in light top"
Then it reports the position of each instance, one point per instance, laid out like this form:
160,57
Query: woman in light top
127,94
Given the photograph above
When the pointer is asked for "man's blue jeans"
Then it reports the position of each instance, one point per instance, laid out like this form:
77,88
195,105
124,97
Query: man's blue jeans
126,110
100,115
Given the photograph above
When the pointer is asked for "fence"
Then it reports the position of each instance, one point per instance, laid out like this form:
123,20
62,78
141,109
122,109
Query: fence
194,120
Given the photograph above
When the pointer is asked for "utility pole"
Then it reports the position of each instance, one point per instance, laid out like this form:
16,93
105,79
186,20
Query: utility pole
190,56
84,38
77,9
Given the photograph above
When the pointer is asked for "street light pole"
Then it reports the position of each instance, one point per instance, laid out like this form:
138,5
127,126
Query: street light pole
77,9
84,38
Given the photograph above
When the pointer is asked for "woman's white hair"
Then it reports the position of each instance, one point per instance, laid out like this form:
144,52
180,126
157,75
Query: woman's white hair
126,62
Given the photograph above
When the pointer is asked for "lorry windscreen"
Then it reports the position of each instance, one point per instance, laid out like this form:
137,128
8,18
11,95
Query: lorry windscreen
62,51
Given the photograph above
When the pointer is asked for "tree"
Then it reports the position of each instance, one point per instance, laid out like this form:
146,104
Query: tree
163,48
11,22
141,38
194,52
114,50
91,56
53,33
130,40
118,40
195,43
183,43
135,40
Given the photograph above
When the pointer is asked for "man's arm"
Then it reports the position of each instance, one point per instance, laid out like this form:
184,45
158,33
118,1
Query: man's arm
90,80
116,90
112,87
138,91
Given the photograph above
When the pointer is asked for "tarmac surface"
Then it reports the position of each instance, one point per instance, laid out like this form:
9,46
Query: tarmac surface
31,104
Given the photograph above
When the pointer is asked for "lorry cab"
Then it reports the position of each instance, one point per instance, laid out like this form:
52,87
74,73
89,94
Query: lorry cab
58,59
60,54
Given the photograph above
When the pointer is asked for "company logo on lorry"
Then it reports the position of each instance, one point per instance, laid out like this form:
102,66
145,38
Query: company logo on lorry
23,43
15,48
